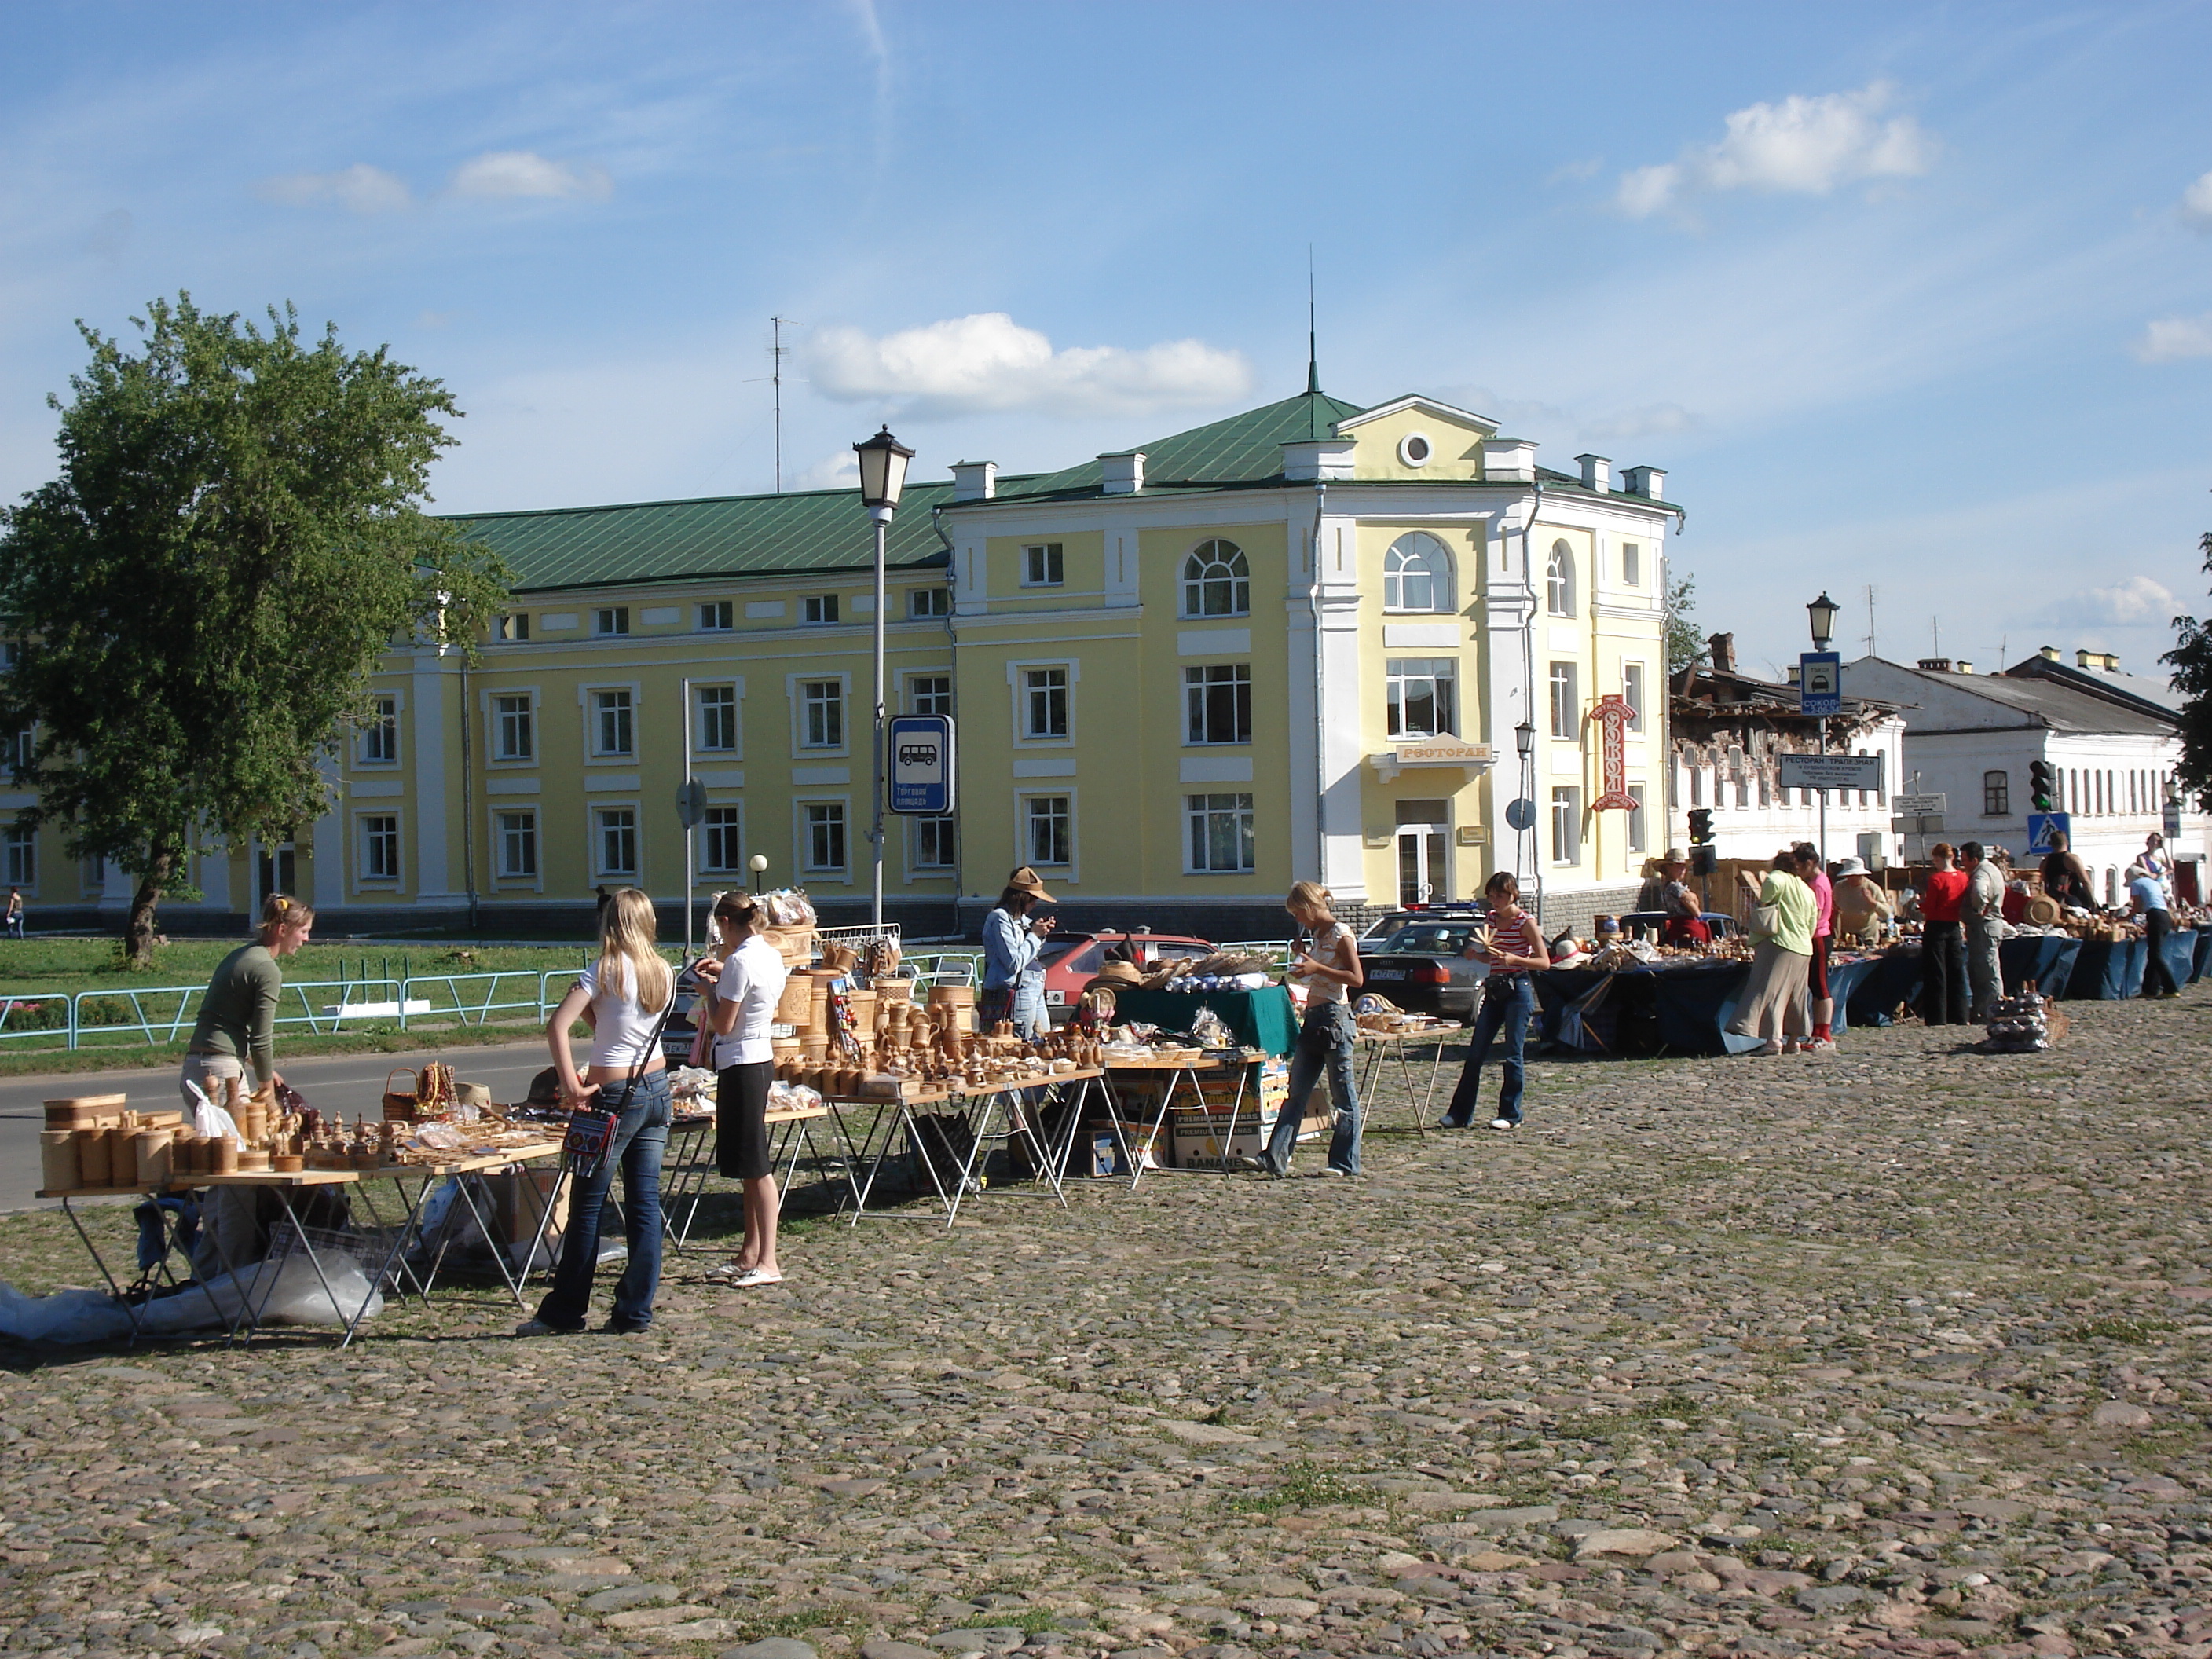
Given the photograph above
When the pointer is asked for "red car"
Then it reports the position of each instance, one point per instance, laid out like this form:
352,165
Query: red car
1072,960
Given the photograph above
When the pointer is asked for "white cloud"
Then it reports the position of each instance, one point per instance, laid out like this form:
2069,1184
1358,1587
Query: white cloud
965,365
510,173
2166,339
1650,421
2138,601
2197,203
1805,145
360,188
841,471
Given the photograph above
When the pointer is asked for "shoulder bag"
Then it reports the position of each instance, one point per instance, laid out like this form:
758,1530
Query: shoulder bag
591,1132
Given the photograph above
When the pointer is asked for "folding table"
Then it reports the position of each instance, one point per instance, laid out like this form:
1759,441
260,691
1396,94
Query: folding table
1378,1049
1178,1074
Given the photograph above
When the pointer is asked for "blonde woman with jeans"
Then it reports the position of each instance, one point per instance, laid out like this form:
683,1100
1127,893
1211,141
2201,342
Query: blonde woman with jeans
1773,1003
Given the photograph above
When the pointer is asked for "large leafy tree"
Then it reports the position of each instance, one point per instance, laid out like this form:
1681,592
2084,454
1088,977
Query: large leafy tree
1684,645
2191,662
236,534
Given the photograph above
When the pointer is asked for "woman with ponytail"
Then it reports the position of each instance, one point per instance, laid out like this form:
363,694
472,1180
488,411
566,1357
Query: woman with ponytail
1330,965
237,1023
624,997
747,974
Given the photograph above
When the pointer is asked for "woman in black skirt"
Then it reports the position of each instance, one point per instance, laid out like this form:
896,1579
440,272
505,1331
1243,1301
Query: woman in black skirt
747,979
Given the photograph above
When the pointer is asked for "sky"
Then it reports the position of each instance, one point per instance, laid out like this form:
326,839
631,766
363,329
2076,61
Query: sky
1909,298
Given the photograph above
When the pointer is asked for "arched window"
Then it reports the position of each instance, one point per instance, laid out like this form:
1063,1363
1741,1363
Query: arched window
1216,581
1559,580
1417,575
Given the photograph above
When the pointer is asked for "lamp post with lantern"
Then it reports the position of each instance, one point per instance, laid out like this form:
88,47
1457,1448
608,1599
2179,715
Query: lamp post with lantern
1820,613
1524,742
882,478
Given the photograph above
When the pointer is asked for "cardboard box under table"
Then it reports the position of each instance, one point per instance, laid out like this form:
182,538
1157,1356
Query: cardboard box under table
1227,1095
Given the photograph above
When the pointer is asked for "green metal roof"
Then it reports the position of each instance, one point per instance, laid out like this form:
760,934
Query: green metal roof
715,536
1245,448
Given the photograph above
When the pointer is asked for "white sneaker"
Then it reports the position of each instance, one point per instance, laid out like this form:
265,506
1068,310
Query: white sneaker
1504,1123
1821,1046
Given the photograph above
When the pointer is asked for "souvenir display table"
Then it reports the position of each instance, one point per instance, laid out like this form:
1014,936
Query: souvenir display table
1261,1019
1381,1050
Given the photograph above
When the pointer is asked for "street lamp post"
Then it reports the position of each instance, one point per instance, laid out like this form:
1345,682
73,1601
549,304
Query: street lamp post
1821,614
883,477
1524,742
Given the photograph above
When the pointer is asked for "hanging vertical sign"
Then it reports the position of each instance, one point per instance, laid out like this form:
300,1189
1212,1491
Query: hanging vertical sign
1612,715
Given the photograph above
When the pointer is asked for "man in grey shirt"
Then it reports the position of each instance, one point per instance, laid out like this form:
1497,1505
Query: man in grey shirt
1983,911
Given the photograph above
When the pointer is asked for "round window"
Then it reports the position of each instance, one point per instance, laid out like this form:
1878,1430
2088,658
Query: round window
1414,449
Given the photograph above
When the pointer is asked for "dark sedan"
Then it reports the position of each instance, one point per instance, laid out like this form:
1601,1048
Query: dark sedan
1418,966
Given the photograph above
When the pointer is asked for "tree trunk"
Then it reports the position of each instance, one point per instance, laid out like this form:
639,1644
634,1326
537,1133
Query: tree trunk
138,932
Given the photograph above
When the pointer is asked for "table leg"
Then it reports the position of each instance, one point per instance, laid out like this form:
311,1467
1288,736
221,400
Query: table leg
861,1189
130,1308
1167,1104
689,1190
991,1102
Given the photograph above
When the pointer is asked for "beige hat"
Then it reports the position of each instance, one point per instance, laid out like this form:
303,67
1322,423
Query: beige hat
473,1094
1850,867
1675,855
1118,973
1026,880
2044,911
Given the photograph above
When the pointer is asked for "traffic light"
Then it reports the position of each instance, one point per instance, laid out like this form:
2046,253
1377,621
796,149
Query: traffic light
1701,826
2042,784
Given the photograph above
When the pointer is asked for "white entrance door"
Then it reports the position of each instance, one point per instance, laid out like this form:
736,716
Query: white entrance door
1422,872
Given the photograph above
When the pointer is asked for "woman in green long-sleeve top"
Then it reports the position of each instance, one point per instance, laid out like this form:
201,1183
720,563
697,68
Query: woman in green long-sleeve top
237,1017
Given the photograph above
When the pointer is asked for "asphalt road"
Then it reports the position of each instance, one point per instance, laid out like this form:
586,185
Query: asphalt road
350,1084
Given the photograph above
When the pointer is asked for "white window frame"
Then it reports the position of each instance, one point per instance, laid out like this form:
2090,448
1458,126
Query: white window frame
802,841
1559,579
1197,693
16,840
600,869
501,880
1639,674
1022,799
736,750
711,613
738,866
493,720
915,869
1564,712
1044,564
387,719
1634,823
1395,573
1198,810
928,604
1018,695
1185,583
611,622
792,684
1631,564
587,698
822,603
362,877
1394,680
511,628
908,695
1566,825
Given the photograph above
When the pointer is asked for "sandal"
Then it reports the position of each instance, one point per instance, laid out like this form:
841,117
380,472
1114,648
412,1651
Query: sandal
753,1276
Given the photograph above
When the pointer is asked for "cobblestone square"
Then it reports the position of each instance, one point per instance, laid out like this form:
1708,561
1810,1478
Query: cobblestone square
1897,1351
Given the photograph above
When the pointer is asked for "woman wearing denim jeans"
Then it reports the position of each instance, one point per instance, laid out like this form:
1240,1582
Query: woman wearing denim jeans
1330,966
622,997
1514,950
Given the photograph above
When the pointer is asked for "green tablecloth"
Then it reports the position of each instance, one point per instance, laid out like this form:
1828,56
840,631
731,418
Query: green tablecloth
1258,1019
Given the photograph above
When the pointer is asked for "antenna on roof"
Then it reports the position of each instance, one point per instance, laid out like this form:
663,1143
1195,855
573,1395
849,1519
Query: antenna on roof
1313,355
777,352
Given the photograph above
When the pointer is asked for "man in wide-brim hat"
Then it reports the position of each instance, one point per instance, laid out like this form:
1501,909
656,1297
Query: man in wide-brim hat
1652,895
1013,934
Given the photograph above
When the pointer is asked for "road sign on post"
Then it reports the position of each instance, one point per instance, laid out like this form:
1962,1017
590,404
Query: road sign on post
1923,805
691,803
1820,683
2042,826
922,764
2171,823
1829,771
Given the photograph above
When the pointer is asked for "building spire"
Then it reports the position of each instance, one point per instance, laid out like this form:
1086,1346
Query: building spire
1313,354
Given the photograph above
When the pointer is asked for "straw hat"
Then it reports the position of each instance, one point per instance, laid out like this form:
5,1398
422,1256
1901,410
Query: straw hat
473,1094
2044,911
1675,855
1118,973
1850,867
1026,880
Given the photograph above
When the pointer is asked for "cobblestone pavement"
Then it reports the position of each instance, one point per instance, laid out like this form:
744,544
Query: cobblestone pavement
1901,1350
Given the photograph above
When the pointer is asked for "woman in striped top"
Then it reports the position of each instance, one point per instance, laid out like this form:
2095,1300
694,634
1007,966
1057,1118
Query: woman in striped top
1515,949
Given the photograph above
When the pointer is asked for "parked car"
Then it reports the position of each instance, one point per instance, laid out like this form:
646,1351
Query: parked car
1071,961
675,1037
1649,921
1418,964
1445,910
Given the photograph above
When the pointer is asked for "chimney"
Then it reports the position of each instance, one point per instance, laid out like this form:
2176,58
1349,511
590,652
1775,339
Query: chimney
1305,459
1935,665
975,481
1122,474
1962,666
1597,473
1723,647
2105,659
1509,460
1648,481
2049,654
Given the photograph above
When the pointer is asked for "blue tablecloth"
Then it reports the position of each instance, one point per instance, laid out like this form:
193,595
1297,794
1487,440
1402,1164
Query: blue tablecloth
1845,981
2049,959
2108,970
1640,1010
1259,1019
2204,954
2181,954
1893,980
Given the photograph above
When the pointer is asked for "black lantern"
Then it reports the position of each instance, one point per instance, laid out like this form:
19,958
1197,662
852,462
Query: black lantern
1822,612
1524,739
882,470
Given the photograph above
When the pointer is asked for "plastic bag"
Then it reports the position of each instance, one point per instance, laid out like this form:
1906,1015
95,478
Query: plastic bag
210,1119
75,1314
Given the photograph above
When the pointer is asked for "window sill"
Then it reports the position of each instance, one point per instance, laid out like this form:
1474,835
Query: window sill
611,760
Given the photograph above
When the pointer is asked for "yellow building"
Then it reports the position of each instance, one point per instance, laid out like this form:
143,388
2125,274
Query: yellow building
1294,643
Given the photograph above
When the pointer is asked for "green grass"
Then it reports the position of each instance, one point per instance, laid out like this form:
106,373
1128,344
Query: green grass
18,1060
28,966
1301,1486
2118,1330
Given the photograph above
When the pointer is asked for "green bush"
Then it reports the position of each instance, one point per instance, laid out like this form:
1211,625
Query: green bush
42,1015
105,1010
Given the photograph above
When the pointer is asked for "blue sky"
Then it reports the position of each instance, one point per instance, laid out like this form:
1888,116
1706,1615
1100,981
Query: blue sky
1918,297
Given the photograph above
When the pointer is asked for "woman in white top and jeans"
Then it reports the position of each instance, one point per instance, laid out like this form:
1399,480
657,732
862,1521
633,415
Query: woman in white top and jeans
748,983
1331,969
622,998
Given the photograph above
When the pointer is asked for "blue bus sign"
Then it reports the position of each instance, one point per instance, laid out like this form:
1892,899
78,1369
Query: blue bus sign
1820,683
920,764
